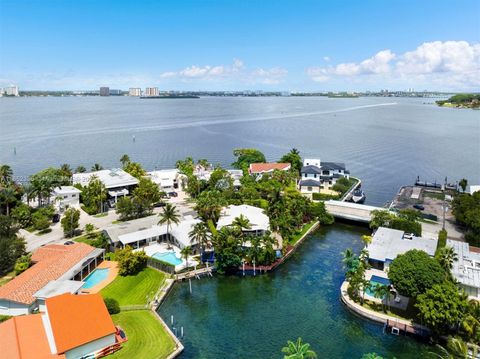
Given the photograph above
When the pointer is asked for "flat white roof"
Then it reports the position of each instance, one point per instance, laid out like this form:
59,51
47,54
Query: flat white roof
57,287
164,178
113,178
180,232
388,243
256,216
474,189
66,190
467,268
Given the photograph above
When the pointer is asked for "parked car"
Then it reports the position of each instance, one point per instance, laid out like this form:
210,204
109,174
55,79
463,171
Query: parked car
159,204
56,218
173,194
69,243
419,207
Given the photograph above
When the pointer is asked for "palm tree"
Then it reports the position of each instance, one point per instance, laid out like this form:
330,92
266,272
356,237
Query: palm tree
350,261
199,234
471,321
66,170
366,240
463,183
186,252
124,160
169,215
446,256
6,175
241,222
97,167
8,196
298,350
294,151
382,292
80,169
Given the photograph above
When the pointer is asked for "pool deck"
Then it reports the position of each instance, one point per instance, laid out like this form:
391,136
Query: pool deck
112,274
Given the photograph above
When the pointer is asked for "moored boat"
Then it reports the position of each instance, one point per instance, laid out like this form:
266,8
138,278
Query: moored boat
358,196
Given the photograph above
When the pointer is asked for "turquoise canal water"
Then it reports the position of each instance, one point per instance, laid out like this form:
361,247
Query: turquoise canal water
253,317
374,282
97,276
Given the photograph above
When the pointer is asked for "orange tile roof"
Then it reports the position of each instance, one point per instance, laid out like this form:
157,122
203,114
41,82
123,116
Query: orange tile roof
52,262
267,167
78,319
24,337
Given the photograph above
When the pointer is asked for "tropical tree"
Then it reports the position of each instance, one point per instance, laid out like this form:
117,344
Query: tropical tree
45,181
456,348
89,229
293,157
446,256
96,167
228,251
70,221
366,239
124,160
6,175
200,235
186,252
298,350
80,169
246,156
471,321
8,196
135,169
463,183
168,216
350,260
93,196
382,292
66,170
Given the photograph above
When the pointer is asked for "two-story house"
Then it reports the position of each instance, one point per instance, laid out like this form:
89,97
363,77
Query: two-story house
316,175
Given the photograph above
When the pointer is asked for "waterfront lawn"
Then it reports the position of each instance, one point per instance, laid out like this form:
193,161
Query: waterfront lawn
435,195
134,289
411,313
147,338
304,230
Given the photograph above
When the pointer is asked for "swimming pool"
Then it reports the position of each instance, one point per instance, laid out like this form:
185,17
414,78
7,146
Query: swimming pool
168,257
376,281
97,276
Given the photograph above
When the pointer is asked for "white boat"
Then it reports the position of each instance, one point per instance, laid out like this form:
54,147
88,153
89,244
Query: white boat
358,196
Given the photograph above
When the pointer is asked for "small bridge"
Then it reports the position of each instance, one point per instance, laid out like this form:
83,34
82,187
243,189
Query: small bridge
351,211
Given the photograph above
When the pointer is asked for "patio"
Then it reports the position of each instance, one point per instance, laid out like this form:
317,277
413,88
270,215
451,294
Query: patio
396,301
155,247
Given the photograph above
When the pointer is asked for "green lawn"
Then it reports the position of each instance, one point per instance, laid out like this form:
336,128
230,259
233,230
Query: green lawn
133,290
146,336
304,230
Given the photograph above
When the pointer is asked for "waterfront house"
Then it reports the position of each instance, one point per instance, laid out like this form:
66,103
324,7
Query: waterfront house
167,180
66,196
146,231
261,168
466,270
54,267
117,182
317,175
259,221
388,243
236,177
72,327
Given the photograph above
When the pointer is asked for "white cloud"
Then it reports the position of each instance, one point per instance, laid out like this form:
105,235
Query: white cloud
236,71
449,64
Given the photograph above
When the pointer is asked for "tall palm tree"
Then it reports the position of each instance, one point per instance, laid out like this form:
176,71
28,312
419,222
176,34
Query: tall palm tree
66,170
8,196
446,256
169,215
382,292
6,175
366,240
124,160
298,350
199,234
457,349
350,260
97,167
80,169
463,183
186,252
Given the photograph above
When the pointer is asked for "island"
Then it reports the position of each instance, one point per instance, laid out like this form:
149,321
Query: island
461,100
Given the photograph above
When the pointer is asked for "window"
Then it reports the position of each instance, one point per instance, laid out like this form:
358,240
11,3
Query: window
74,195
315,175
309,189
65,197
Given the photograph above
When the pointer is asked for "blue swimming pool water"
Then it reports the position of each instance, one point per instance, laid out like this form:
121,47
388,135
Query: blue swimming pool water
168,257
95,277
375,281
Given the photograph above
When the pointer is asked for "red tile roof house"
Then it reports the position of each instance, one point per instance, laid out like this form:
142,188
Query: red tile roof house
73,326
261,168
57,269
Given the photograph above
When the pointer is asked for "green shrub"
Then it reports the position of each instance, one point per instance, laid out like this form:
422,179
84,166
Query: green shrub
129,262
442,239
22,263
323,197
4,318
112,305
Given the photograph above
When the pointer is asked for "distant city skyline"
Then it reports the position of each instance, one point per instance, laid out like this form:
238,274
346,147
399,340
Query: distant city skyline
241,45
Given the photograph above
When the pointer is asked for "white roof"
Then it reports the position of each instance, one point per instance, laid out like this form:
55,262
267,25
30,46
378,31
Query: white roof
66,190
257,218
113,178
57,287
474,189
180,232
388,243
467,269
134,225
164,178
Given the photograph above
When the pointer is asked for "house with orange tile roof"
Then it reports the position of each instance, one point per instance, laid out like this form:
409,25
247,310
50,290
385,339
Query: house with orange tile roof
73,326
261,168
56,268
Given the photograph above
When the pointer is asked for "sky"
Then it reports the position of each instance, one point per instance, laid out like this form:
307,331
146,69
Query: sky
278,45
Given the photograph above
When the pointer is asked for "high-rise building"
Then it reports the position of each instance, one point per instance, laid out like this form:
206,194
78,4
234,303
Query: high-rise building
115,92
134,91
11,91
151,91
104,91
